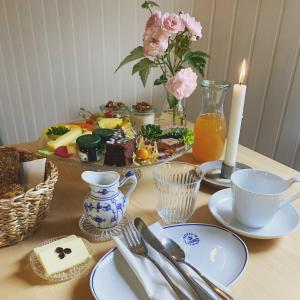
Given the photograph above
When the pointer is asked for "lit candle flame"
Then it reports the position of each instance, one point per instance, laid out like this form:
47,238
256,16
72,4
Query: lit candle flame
243,72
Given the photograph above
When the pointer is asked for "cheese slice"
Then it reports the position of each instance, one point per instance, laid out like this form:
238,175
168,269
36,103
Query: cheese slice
55,244
51,261
65,139
110,123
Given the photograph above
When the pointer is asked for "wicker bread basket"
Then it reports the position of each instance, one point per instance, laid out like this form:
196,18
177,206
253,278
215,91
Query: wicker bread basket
22,215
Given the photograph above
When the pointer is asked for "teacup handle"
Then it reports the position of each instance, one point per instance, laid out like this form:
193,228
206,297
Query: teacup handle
293,180
293,197
131,177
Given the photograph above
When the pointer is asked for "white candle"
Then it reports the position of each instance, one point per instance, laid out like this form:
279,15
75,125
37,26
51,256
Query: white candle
235,120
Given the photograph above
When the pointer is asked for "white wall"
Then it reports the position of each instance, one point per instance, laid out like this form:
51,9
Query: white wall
58,55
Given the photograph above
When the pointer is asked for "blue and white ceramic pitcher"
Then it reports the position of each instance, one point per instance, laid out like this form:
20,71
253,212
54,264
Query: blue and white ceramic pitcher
105,205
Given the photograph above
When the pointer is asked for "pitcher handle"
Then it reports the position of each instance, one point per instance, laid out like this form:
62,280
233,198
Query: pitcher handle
293,197
131,177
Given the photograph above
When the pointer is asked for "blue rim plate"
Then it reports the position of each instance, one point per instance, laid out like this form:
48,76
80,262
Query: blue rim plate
216,251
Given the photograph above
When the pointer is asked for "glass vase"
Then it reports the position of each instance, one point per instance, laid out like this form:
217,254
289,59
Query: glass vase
210,126
174,116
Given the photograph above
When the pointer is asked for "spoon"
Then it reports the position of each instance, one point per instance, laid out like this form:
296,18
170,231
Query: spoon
178,254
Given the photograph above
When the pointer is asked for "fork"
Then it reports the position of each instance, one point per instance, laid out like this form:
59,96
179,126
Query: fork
137,246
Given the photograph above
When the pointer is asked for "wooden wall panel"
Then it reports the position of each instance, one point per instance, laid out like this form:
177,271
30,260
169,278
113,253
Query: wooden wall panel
260,66
95,14
58,55
128,40
9,40
53,34
40,49
69,56
221,39
32,67
288,140
283,69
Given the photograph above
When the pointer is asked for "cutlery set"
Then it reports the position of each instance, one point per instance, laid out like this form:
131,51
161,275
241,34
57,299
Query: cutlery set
137,232
137,246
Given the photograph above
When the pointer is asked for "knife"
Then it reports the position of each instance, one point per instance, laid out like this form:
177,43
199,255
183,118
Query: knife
152,240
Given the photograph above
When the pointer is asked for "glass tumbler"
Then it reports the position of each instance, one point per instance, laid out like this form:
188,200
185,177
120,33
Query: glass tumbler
177,184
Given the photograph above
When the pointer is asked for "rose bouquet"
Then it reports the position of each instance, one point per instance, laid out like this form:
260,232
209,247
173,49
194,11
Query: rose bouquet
167,45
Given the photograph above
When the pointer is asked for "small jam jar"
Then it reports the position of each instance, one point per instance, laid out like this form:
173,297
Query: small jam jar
104,133
90,147
141,114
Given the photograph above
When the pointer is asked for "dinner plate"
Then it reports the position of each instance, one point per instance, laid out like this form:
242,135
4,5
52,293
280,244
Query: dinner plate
217,252
284,222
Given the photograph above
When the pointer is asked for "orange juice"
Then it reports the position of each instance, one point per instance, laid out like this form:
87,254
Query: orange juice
210,135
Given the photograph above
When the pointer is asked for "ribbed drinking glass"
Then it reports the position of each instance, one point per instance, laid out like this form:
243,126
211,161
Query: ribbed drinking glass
177,184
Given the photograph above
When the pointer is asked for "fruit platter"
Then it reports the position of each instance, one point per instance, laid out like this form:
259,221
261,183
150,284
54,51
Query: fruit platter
112,139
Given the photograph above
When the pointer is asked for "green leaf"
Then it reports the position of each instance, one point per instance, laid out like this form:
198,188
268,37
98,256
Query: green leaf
162,79
171,100
197,59
149,4
136,53
142,64
198,53
143,67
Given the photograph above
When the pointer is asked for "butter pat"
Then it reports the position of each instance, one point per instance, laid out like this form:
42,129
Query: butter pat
72,249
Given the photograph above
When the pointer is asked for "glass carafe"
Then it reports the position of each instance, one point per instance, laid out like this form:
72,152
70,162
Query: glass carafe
210,126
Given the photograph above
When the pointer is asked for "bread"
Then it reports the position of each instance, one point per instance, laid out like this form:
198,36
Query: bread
11,191
9,166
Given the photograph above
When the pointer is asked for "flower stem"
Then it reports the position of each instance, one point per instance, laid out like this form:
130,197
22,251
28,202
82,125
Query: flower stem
170,64
174,114
163,68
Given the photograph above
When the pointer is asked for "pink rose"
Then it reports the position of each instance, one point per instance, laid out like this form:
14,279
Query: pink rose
194,27
154,19
172,23
183,84
155,41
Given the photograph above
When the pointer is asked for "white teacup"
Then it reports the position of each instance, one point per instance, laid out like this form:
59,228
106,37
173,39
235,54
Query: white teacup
258,195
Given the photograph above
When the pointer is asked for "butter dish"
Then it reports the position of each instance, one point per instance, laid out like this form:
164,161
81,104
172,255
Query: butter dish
61,258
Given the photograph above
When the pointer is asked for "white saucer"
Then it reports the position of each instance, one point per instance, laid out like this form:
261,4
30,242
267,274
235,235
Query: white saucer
285,221
217,252
211,173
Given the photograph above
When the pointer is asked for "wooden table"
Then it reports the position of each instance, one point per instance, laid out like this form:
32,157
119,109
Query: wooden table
273,271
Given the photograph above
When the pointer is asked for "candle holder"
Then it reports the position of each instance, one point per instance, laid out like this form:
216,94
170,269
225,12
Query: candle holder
226,170
217,174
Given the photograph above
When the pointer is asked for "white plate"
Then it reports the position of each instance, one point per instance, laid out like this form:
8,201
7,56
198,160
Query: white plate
217,252
285,221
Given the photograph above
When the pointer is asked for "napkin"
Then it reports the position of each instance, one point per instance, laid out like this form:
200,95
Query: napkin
153,282
32,172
